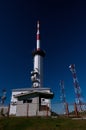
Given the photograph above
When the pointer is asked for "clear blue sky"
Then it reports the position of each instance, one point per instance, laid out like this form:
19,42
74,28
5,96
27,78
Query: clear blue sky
63,37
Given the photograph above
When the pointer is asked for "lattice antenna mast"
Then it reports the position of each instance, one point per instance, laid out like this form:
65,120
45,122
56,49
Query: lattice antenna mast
63,97
76,86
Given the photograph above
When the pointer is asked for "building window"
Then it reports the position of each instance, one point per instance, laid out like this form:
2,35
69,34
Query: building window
27,101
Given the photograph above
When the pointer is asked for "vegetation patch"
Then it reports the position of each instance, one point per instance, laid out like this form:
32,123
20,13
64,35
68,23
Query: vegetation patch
41,123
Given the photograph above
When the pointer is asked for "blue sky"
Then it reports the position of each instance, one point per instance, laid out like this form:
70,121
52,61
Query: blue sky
63,37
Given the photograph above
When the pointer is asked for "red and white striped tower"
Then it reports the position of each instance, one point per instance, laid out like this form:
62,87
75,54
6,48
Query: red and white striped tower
76,87
38,36
63,97
38,54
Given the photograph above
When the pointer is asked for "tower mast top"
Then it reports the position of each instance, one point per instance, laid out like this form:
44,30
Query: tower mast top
38,36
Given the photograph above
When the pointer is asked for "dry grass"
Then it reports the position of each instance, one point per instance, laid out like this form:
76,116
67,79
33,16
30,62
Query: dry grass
41,123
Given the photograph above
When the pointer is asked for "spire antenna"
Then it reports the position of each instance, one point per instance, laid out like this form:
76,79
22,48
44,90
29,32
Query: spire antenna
38,36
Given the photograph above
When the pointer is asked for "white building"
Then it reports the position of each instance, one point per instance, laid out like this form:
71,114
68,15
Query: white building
31,102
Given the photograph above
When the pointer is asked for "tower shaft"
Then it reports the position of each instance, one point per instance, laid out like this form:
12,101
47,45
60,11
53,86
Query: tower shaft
38,66
38,54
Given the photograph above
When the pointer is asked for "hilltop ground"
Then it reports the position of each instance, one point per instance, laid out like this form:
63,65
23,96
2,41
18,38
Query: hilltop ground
41,123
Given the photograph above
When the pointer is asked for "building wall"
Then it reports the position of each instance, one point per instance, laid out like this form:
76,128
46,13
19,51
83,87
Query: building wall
31,109
14,102
21,109
44,113
27,109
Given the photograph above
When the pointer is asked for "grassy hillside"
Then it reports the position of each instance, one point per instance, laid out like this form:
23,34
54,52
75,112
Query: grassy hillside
41,124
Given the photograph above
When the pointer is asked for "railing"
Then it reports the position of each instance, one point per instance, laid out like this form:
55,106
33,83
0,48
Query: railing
53,109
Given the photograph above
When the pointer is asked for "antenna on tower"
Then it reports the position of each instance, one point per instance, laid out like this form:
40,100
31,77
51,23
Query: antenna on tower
77,88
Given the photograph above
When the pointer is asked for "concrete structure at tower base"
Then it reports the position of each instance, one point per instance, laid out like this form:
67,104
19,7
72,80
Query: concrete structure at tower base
31,102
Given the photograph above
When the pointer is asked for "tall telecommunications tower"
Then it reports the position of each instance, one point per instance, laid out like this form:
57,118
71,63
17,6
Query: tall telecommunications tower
38,55
76,87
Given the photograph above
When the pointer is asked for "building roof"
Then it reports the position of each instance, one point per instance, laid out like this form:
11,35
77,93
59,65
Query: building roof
29,89
34,94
